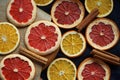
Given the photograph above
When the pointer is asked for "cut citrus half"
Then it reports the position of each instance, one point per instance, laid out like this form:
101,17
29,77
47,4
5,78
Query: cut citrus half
21,12
9,37
61,69
73,44
93,69
102,33
43,2
43,37
67,13
105,7
16,67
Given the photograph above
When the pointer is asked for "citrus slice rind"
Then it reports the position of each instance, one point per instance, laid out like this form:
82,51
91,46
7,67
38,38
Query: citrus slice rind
67,13
92,68
15,67
61,69
21,13
43,2
9,38
43,37
73,44
105,7
102,34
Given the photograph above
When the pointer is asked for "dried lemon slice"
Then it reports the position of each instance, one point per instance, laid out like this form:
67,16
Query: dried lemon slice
61,69
9,38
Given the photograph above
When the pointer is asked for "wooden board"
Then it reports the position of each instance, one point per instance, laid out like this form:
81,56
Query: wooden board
41,15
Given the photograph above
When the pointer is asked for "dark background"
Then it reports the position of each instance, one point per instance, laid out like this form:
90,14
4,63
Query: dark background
115,16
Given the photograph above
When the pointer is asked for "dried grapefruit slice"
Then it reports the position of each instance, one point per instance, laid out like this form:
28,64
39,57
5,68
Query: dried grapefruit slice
73,44
67,13
102,34
43,2
21,12
43,37
105,7
9,37
17,67
93,69
61,69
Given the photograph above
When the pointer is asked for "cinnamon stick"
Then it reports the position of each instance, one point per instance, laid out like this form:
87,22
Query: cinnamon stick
106,60
106,56
33,56
88,19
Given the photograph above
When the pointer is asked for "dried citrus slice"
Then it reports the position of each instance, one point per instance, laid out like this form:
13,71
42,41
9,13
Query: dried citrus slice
43,2
43,37
102,34
16,67
9,37
67,13
61,69
73,44
93,69
21,12
105,7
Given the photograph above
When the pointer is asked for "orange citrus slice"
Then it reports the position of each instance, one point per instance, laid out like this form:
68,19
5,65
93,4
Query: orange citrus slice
93,69
21,12
9,38
43,2
73,44
61,69
43,37
67,13
16,67
105,7
102,33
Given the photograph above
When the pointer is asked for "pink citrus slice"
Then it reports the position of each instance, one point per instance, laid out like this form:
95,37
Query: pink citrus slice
102,34
93,69
16,67
21,12
43,37
67,13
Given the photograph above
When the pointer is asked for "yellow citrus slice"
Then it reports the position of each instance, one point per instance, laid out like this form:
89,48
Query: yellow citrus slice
9,37
43,2
61,69
105,7
73,44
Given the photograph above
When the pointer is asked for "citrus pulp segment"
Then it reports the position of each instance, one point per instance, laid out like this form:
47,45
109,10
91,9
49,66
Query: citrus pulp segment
43,37
105,7
16,67
43,2
21,12
73,44
93,69
61,69
102,34
67,13
9,38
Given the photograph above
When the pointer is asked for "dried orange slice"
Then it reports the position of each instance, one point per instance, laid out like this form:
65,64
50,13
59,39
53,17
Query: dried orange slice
73,44
17,67
93,69
9,37
43,37
21,12
102,33
61,69
67,13
105,7
43,2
